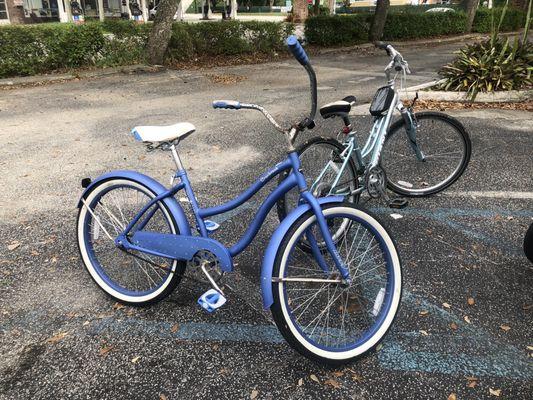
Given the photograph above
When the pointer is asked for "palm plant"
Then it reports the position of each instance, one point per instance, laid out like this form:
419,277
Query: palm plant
492,65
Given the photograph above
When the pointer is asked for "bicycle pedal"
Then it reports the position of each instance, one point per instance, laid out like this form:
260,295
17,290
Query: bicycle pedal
211,226
211,300
398,202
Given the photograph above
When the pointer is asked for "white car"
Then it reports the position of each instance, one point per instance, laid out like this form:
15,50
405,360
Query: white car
440,9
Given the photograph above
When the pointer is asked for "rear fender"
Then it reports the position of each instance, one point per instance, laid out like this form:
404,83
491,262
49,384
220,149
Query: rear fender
156,188
275,241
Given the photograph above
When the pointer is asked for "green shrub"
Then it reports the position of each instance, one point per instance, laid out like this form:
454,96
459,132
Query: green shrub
226,38
513,19
336,30
492,65
28,50
409,25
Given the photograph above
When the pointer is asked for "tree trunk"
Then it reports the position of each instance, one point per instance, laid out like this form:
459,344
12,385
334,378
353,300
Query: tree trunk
161,31
299,10
331,5
316,7
470,7
378,23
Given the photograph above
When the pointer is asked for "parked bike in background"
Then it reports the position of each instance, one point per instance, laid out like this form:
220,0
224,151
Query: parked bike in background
418,155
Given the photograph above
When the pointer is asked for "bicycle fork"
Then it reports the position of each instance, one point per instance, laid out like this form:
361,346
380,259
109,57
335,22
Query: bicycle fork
410,128
328,239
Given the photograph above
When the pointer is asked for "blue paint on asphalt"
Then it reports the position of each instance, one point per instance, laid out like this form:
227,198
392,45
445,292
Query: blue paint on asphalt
201,331
443,215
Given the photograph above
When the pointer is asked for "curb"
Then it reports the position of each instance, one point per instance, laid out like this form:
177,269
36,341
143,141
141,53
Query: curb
495,97
37,79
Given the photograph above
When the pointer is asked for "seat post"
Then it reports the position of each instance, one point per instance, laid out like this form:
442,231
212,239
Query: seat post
176,157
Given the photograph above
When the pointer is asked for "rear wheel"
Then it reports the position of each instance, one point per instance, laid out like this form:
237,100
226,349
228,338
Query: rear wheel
322,318
318,156
130,277
445,145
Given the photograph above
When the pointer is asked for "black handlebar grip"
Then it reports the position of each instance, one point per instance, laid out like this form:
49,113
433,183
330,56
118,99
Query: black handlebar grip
297,50
382,46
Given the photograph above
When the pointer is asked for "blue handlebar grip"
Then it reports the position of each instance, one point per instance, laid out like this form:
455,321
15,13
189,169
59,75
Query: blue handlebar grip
297,50
230,104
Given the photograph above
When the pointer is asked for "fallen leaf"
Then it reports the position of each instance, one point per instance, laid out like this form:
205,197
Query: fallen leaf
470,301
118,306
300,382
86,323
505,328
454,326
495,392
338,374
223,371
472,384
216,347
135,359
13,245
446,305
452,396
467,320
56,338
333,383
254,394
423,312
423,332
314,378
530,348
379,347
163,397
106,349
174,328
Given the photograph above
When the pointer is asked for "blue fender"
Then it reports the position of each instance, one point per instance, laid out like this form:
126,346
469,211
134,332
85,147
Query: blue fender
156,187
275,241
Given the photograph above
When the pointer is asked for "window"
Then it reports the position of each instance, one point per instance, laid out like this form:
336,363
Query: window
3,11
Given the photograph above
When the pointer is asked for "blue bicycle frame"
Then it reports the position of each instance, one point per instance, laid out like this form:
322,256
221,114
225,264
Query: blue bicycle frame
184,247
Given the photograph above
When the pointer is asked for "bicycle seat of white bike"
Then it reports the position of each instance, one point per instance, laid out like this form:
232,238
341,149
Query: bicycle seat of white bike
168,133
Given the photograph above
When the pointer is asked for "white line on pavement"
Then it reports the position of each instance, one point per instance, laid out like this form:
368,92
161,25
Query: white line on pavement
493,194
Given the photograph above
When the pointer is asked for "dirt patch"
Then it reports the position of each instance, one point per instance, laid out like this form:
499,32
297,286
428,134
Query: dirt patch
225,79
455,105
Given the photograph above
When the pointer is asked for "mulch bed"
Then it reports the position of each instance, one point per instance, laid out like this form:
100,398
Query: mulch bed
455,105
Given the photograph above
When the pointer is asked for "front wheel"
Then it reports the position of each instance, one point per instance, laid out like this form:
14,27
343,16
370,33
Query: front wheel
322,318
445,147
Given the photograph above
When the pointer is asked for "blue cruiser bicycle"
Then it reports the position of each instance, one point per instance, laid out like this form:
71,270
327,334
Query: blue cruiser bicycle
331,274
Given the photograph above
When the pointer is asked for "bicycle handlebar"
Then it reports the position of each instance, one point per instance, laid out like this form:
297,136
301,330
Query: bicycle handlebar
297,50
397,61
299,53
308,122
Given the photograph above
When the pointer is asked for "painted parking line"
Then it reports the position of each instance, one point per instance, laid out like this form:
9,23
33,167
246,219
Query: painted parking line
492,194
471,351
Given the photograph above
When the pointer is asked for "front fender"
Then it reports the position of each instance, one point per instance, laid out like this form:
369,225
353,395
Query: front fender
156,187
275,241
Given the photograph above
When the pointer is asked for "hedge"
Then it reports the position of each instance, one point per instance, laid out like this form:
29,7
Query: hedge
423,25
350,29
326,30
513,20
226,38
34,49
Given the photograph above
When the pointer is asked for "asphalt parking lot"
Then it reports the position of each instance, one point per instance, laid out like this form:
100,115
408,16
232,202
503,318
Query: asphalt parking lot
62,338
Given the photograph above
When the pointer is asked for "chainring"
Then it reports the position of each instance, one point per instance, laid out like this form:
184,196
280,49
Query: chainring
375,181
194,267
